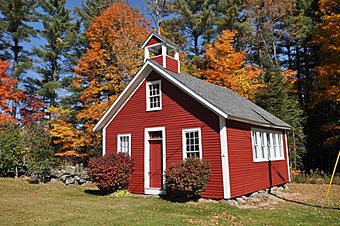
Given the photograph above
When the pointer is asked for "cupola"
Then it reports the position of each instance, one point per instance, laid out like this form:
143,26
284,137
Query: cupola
163,51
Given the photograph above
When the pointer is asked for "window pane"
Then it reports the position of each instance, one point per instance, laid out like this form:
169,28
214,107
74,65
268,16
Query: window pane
124,144
154,96
192,143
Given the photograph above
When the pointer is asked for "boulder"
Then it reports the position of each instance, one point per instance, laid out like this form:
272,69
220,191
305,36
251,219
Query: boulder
82,181
69,180
232,202
245,197
71,170
240,201
254,194
273,188
285,187
280,189
63,178
54,180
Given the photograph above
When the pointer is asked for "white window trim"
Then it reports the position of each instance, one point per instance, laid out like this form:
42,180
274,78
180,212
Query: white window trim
184,141
118,142
268,153
148,96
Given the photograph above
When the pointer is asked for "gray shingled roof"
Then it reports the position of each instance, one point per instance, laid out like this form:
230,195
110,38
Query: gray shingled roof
226,100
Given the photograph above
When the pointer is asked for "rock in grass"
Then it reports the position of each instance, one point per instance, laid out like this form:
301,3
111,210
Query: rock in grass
69,180
245,197
240,201
232,202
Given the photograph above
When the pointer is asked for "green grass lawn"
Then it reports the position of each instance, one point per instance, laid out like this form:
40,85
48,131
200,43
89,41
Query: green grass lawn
22,203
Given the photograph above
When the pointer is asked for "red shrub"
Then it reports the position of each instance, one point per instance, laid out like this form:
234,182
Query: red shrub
187,179
112,172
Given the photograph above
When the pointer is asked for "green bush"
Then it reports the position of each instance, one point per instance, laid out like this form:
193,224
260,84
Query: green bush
11,150
39,152
187,179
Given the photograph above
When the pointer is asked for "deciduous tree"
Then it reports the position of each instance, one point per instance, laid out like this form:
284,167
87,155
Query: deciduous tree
227,67
323,109
8,93
111,59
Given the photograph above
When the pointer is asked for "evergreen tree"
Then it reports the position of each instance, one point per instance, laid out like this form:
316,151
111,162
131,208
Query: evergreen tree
92,8
200,21
15,29
57,56
279,100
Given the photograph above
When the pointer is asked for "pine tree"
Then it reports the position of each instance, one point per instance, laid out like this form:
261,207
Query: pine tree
92,8
15,29
200,21
55,58
279,100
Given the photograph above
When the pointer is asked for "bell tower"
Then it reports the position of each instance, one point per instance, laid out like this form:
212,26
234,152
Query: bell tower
163,51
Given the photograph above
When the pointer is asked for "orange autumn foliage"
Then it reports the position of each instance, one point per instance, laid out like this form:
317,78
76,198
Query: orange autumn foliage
327,81
62,130
8,93
328,38
227,67
111,60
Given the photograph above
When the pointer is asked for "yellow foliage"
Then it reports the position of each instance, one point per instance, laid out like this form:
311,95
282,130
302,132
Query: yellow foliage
111,60
227,67
328,38
62,131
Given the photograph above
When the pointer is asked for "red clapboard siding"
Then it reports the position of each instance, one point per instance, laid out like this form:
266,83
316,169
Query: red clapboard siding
153,40
247,176
179,111
158,59
171,64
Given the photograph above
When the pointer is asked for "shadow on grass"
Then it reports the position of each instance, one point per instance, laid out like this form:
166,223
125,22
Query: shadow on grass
179,199
305,204
97,192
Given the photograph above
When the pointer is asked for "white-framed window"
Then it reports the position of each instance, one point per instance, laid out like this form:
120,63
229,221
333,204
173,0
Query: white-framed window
124,143
267,145
192,143
153,95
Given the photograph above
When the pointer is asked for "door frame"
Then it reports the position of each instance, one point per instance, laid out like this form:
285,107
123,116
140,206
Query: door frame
147,189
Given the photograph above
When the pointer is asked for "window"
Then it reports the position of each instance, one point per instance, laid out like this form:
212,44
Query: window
153,96
192,143
267,145
124,143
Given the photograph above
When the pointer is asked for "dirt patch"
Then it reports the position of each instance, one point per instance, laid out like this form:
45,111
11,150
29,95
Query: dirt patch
304,194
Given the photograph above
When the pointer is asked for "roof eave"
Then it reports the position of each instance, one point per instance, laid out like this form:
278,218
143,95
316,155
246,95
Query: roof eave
168,42
108,115
235,118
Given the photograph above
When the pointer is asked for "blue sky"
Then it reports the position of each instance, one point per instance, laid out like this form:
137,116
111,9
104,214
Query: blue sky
70,4
74,3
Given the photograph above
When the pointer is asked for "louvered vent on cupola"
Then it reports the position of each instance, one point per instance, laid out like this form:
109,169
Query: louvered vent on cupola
163,51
